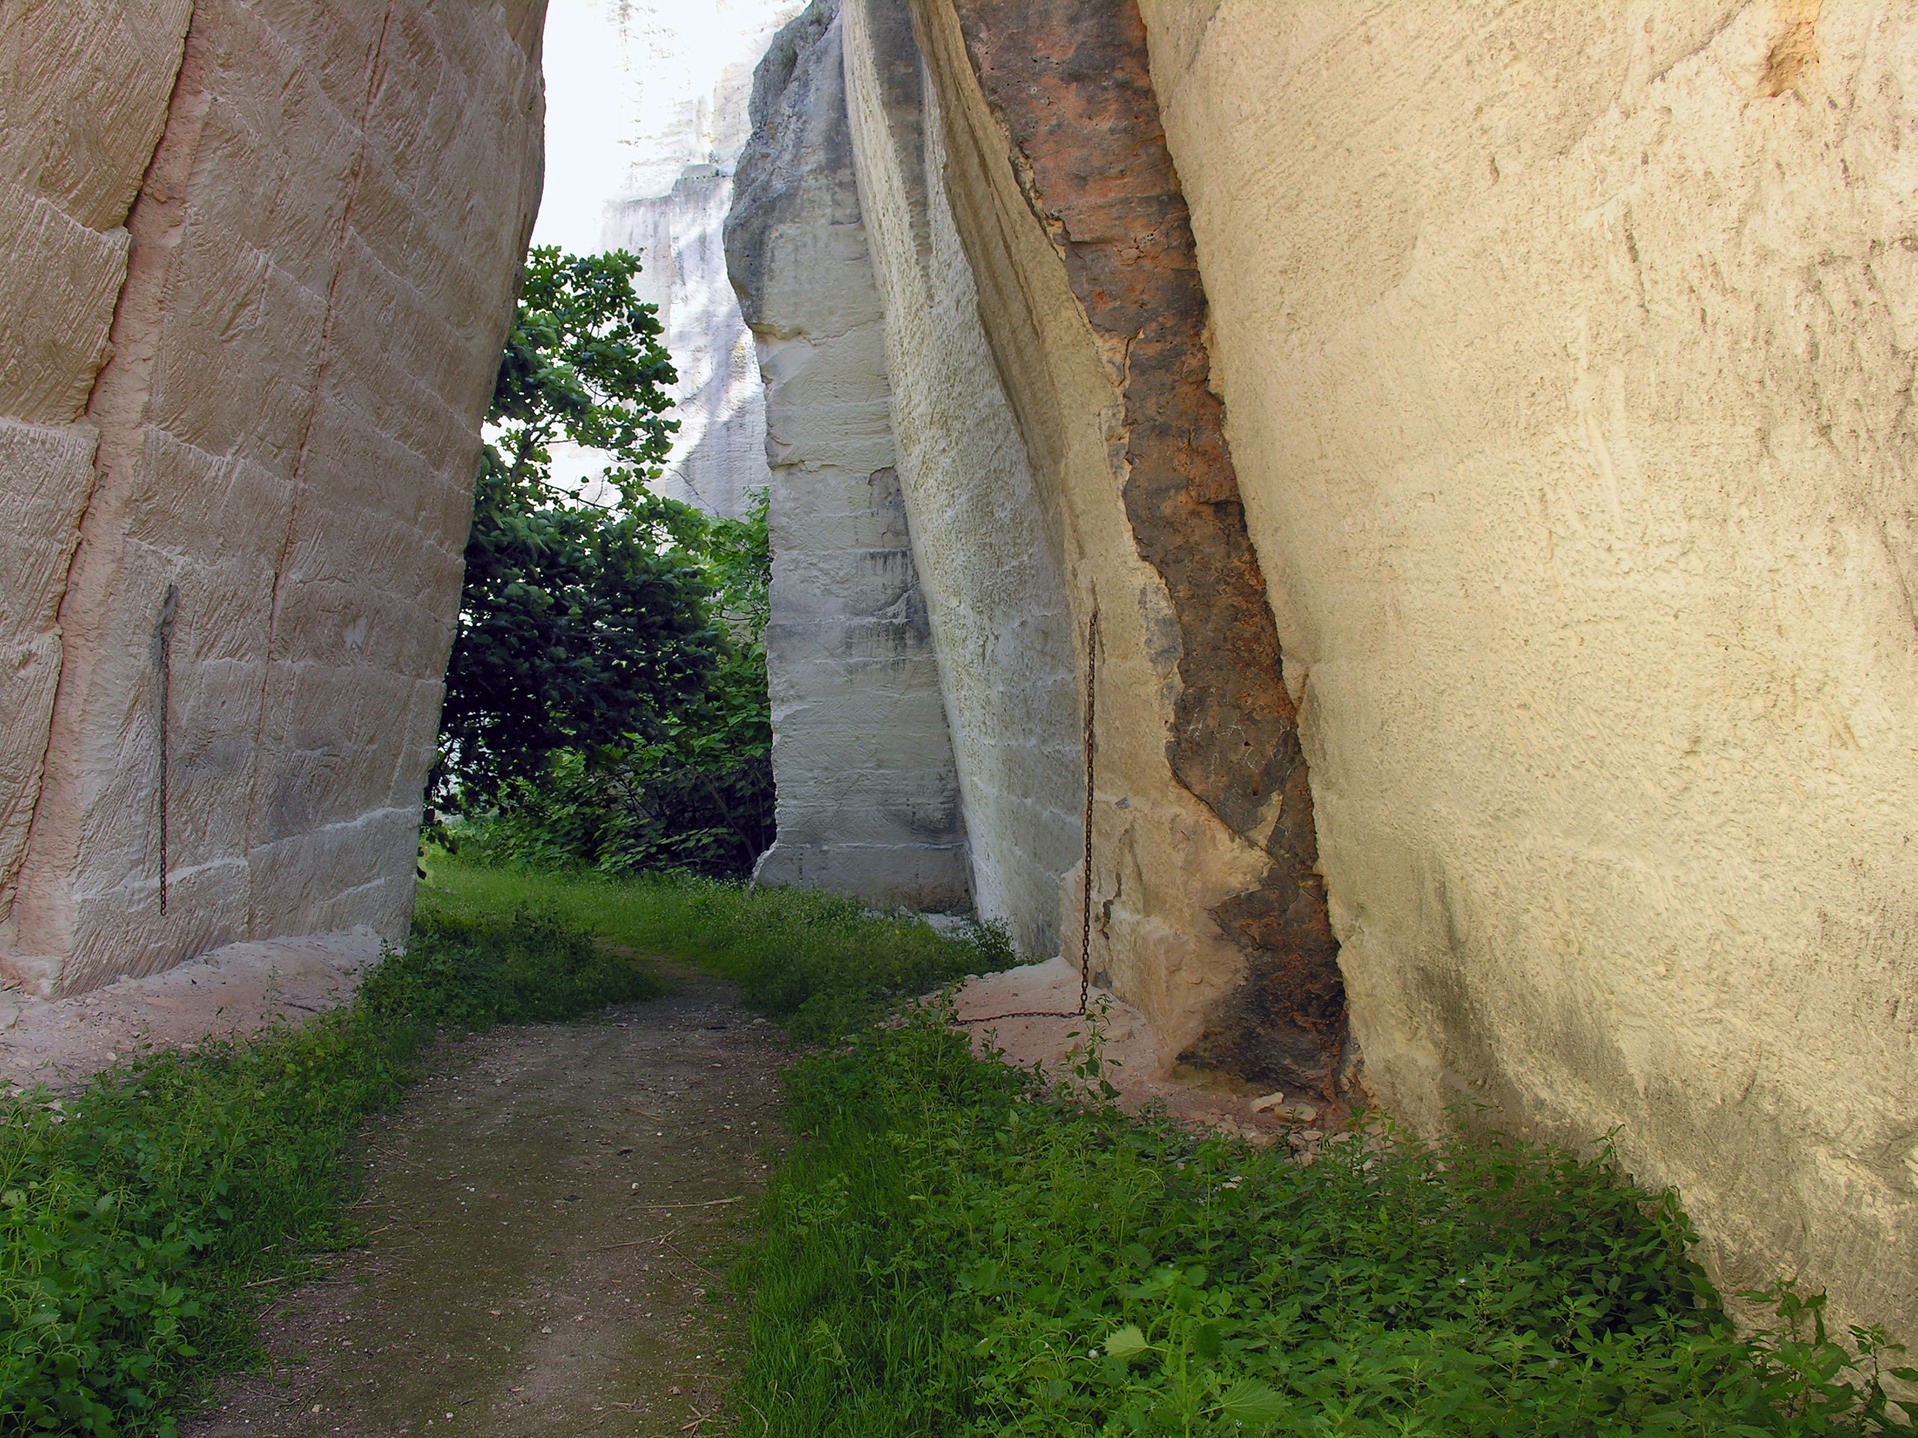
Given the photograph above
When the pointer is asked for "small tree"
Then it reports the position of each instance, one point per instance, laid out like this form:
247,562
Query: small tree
606,700
580,623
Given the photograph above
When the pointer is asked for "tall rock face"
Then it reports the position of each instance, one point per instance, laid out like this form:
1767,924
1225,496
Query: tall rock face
988,539
68,175
1568,357
260,261
1038,269
868,795
689,73
1532,686
718,458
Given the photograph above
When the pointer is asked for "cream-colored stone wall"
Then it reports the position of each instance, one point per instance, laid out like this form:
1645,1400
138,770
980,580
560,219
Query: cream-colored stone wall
718,457
322,255
684,85
868,796
1568,358
83,96
987,541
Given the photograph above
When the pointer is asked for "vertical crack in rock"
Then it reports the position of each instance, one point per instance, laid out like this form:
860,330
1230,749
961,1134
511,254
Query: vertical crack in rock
117,407
1068,80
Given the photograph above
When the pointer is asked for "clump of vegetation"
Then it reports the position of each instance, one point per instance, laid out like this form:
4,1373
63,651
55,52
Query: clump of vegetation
695,792
955,1249
140,1219
823,965
606,701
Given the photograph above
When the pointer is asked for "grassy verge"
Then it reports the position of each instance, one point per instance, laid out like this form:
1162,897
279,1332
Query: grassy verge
957,1251
822,965
950,1250
140,1220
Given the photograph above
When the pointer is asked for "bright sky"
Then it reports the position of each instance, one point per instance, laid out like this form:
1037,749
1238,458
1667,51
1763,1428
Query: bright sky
585,124
630,88
636,90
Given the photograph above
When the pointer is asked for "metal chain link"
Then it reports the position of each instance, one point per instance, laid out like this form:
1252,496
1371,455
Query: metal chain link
1091,745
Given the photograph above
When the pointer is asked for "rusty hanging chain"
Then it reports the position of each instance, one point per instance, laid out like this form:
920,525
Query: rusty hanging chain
163,663
1085,878
1091,746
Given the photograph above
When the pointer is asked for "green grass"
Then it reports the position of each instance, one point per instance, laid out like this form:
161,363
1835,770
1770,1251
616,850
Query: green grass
954,1250
140,1220
824,966
951,1249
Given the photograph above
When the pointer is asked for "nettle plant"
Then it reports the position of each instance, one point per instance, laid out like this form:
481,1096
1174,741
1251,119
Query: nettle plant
985,1254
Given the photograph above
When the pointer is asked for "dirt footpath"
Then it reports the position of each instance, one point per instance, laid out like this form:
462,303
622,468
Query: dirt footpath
543,1220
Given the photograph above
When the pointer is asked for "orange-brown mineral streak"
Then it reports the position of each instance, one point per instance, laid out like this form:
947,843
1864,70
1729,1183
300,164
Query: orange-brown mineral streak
1069,81
1794,47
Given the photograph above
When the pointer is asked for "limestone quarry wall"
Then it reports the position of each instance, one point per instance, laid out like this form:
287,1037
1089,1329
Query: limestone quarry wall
260,258
687,76
867,793
65,188
718,458
1567,354
987,541
1037,267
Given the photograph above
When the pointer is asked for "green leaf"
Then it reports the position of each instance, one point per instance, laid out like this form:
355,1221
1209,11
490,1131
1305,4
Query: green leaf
1126,1343
1251,1403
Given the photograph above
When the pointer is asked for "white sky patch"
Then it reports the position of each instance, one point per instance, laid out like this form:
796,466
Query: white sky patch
638,92
587,123
633,97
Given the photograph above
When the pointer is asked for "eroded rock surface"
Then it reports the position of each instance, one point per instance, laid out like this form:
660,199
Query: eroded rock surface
1565,362
985,536
1045,330
233,992
230,592
868,796
1567,356
1068,79
688,78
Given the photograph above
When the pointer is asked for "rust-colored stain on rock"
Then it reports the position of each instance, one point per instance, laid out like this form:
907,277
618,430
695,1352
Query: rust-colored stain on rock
1069,81
1794,49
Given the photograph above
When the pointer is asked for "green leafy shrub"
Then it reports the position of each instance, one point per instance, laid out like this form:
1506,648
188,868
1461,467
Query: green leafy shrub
582,620
134,1216
697,801
606,701
958,1251
691,787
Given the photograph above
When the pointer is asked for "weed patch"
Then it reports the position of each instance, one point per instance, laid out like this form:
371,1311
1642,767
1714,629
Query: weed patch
821,964
956,1250
140,1219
